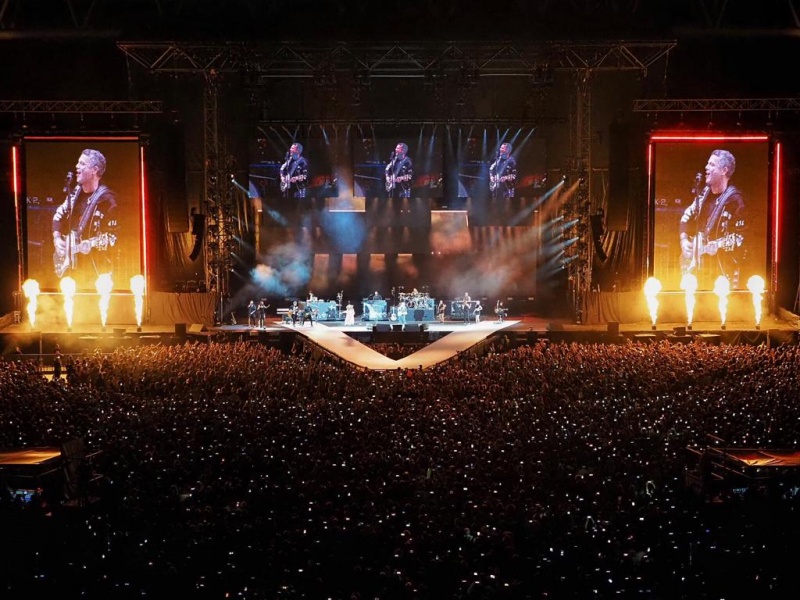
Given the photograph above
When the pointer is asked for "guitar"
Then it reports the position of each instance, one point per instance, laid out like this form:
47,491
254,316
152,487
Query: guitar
495,181
287,181
690,258
393,180
65,260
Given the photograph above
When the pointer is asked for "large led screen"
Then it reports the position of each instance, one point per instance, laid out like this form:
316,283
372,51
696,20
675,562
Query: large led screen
711,206
83,215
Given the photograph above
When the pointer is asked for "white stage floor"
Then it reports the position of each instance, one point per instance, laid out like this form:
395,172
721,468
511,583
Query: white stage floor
459,337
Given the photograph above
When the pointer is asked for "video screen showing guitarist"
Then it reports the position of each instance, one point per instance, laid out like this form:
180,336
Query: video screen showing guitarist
85,226
399,173
712,228
294,173
503,173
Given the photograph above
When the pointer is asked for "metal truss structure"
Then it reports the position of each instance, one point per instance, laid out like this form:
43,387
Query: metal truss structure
79,18
689,105
415,60
219,240
395,59
311,123
100,107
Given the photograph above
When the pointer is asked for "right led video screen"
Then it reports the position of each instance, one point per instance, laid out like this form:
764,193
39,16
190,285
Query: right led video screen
711,209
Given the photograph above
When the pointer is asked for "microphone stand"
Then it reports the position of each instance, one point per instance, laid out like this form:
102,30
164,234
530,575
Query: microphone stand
71,196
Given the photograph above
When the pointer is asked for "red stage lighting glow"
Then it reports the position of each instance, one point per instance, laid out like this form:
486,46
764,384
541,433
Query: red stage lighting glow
143,212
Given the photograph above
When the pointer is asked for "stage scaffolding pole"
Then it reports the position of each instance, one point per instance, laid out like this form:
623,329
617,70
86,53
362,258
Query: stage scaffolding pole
219,220
580,269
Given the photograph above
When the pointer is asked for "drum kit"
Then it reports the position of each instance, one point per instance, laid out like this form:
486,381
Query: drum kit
416,300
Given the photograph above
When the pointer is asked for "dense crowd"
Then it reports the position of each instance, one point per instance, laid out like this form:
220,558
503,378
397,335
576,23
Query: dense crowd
543,471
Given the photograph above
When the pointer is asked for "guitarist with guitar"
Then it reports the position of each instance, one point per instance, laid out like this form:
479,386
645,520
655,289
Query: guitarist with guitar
399,173
503,173
712,226
294,172
85,225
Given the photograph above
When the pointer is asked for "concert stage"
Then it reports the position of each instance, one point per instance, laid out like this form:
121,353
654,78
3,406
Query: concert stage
516,331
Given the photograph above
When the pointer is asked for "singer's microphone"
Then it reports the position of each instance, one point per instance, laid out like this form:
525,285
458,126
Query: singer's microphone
698,180
68,181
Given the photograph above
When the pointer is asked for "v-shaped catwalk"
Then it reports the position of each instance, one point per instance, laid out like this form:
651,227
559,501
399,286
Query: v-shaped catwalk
336,341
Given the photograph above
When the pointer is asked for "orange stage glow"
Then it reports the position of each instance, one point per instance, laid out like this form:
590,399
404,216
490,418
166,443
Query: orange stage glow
756,286
722,287
104,286
68,287
137,287
31,289
651,288
689,286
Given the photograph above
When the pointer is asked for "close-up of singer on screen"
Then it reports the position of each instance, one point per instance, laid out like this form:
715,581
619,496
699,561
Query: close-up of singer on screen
294,173
85,227
399,173
712,228
503,173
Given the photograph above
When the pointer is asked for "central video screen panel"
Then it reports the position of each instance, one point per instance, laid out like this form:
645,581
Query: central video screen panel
711,207
386,207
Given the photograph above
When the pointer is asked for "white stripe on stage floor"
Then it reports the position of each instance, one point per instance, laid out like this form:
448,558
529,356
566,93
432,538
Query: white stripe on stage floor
460,338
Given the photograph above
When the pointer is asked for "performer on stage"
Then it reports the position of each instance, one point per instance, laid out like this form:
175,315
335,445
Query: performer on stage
349,315
308,315
500,311
251,313
399,173
440,311
295,312
466,303
503,173
262,313
85,225
402,312
294,173
477,311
